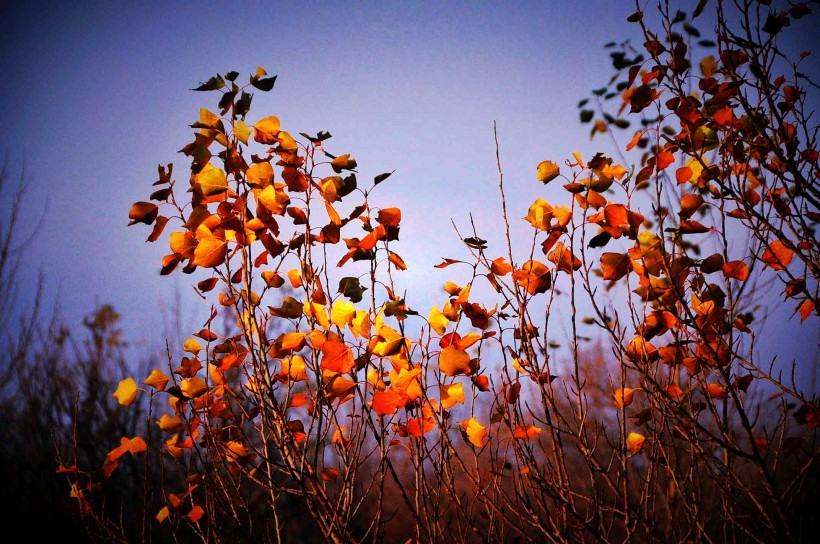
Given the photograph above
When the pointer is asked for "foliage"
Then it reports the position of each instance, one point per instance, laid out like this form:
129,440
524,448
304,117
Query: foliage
333,395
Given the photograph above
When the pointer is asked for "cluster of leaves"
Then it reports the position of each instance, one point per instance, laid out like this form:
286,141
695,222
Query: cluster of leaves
464,418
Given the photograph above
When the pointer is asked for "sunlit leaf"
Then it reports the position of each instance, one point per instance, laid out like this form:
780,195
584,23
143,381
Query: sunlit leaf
385,403
623,397
266,130
210,252
547,171
474,432
451,395
193,387
527,433
539,214
126,392
453,361
635,442
157,379
777,255
337,357
342,313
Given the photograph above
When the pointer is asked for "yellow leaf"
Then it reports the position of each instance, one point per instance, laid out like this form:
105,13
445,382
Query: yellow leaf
547,171
126,392
207,118
342,313
343,162
539,214
623,397
192,346
318,312
267,130
360,324
276,201
452,288
387,342
210,252
437,320
406,382
453,361
212,181
242,131
260,174
452,395
157,379
294,368
170,424
634,442
182,243
562,215
476,433
193,387
293,340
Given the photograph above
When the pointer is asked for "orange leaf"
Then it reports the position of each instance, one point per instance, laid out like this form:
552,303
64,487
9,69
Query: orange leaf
634,442
389,217
635,139
453,361
806,309
615,265
337,357
616,215
126,392
665,158
534,277
474,432
689,204
210,252
526,433
623,397
385,403
683,174
736,269
266,130
196,514
500,267
329,474
777,255
564,259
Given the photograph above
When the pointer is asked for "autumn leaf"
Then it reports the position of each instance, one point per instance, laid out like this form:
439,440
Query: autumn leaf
192,346
126,392
196,514
615,265
564,259
777,255
623,397
337,357
212,181
343,162
266,130
437,320
259,174
294,368
635,442
474,432
385,403
451,395
342,313
547,171
453,361
193,387
526,433
539,214
210,252
736,269
143,212
534,277
157,379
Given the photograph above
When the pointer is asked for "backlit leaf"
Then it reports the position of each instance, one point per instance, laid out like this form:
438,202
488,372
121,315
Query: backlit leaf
474,432
453,361
157,379
210,252
539,214
547,171
451,395
126,392
337,357
777,255
635,442
266,130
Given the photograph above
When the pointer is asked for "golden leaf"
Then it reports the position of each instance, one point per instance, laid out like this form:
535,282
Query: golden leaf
266,130
475,433
453,361
157,379
451,395
126,392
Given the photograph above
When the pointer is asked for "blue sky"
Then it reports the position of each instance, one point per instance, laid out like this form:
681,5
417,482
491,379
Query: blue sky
96,95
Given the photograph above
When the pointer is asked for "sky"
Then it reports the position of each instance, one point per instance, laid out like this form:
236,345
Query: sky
96,94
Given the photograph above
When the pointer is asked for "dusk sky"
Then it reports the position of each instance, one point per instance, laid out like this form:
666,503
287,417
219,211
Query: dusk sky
96,94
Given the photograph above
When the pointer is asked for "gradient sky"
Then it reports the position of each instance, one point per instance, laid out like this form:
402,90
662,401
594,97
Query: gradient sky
96,95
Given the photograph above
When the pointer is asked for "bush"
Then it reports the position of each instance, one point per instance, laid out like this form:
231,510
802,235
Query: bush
334,410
